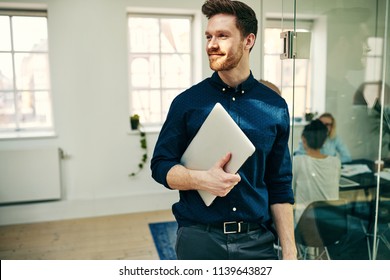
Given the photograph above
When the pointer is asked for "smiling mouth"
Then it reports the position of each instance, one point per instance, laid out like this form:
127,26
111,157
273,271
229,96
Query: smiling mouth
211,55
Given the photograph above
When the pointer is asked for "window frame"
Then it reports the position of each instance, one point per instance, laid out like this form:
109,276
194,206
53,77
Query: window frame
195,51
18,131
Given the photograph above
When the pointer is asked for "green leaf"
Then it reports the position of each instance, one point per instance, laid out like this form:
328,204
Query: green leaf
144,158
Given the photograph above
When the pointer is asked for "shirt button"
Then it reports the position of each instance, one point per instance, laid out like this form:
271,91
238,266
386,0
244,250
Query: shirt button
234,209
242,92
223,89
234,99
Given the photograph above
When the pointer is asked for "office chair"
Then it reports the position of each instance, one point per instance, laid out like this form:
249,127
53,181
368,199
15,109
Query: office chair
366,212
383,223
323,223
383,220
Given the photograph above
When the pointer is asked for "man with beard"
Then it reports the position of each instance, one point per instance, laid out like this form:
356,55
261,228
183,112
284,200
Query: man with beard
240,223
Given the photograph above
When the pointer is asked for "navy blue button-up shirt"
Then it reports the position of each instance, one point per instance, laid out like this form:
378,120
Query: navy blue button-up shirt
265,177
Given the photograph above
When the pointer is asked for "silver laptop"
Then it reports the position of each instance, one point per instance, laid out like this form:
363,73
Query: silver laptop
217,136
347,183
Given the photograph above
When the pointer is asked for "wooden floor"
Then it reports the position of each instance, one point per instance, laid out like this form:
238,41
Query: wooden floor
101,238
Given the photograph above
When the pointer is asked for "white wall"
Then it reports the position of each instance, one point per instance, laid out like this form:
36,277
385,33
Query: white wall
89,78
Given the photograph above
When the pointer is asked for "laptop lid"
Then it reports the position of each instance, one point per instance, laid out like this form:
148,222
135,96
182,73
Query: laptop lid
218,135
347,183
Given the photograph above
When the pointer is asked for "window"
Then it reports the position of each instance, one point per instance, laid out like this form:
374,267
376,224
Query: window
25,97
373,53
280,72
160,63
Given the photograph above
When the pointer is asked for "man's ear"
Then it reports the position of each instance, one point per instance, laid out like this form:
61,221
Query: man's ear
250,41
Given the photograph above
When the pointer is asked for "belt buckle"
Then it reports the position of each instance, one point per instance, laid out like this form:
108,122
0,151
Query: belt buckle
225,231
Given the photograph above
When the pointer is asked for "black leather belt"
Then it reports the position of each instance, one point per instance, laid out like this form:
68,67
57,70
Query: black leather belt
233,227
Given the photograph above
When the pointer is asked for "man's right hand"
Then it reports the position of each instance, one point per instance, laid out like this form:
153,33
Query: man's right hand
215,180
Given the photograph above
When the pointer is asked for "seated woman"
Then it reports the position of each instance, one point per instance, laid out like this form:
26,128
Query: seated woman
315,175
333,145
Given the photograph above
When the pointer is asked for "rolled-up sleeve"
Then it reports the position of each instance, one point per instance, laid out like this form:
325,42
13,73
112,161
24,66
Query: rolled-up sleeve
169,147
279,167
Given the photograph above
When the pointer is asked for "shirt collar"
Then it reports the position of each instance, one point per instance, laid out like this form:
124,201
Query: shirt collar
245,86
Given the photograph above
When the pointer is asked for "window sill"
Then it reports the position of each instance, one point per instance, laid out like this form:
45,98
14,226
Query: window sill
27,135
301,123
150,129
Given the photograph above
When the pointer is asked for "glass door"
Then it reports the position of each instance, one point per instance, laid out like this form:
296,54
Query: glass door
330,60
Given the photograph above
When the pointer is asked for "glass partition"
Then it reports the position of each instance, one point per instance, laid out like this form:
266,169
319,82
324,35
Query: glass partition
335,80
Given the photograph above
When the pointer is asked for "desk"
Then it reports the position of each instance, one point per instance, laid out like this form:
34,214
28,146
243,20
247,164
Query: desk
365,192
361,196
366,180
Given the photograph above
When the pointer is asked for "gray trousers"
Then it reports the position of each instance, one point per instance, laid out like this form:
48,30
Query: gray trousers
205,243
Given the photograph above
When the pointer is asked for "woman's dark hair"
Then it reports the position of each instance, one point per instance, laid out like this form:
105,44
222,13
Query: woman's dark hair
315,134
246,20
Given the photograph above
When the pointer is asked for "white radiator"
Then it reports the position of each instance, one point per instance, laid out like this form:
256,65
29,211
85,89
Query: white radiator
30,175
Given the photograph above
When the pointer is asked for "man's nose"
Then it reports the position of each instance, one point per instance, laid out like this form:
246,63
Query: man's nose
212,43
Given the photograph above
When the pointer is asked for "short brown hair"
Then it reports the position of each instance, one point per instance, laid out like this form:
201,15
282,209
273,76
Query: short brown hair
246,20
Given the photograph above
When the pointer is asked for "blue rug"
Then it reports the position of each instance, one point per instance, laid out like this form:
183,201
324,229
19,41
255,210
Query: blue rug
164,237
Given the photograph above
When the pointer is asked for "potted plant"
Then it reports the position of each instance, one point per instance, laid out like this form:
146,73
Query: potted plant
134,122
386,123
310,116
